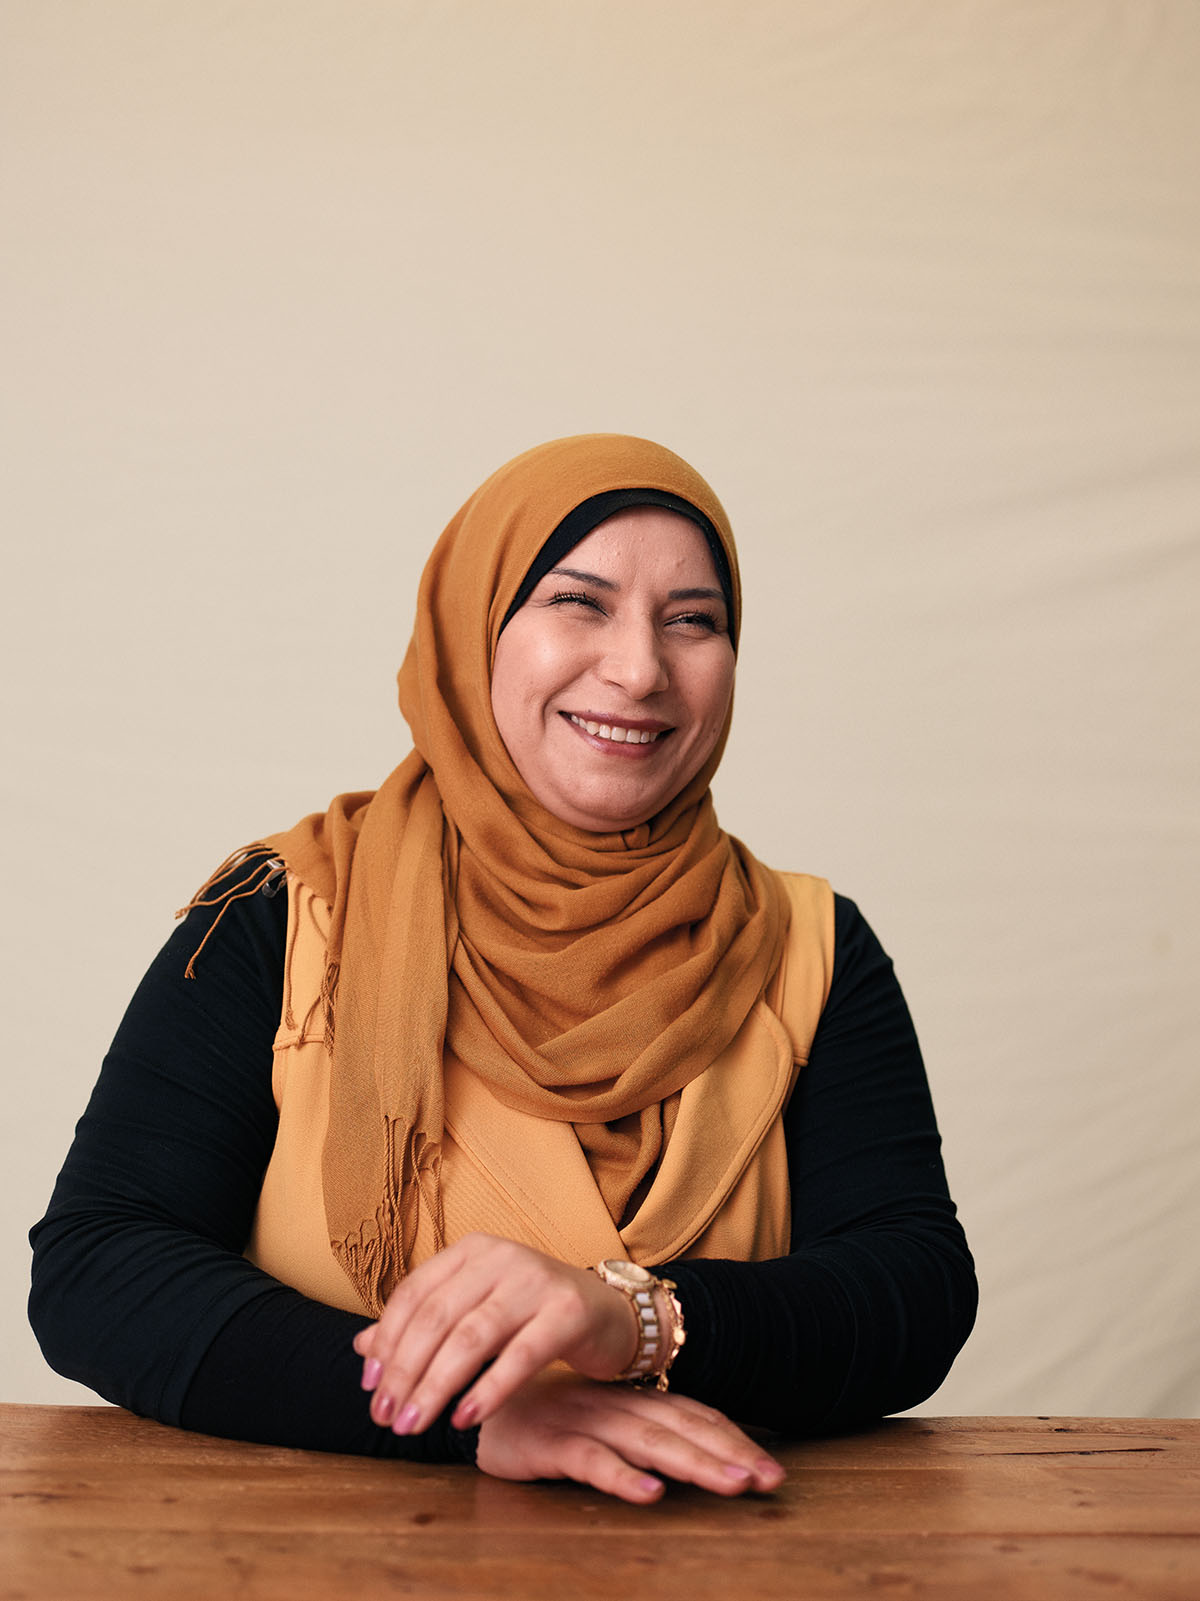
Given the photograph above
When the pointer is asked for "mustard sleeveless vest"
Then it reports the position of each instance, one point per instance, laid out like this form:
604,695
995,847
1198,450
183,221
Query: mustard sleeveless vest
525,1178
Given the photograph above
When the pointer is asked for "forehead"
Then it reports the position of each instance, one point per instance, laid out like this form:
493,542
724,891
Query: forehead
645,541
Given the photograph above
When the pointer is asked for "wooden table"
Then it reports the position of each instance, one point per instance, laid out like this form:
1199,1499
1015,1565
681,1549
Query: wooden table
101,1504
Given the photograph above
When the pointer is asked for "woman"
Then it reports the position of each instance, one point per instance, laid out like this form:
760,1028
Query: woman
524,1012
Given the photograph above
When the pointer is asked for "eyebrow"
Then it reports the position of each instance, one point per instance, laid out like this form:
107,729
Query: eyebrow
585,578
607,583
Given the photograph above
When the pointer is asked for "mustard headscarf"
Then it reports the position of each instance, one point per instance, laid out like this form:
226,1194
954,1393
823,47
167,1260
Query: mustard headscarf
585,977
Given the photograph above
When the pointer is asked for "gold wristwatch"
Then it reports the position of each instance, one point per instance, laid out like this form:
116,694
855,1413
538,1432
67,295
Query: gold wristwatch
656,1348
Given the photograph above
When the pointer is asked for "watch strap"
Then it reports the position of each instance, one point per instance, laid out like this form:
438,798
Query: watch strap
657,1346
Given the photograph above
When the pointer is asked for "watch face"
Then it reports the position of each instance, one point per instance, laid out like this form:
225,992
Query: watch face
629,1271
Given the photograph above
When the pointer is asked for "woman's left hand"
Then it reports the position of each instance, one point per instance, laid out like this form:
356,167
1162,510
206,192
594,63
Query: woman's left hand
486,1299
620,1439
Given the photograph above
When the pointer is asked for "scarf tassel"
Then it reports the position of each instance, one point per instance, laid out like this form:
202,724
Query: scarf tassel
265,868
377,1256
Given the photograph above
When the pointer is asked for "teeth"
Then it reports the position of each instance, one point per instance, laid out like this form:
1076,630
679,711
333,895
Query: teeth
621,736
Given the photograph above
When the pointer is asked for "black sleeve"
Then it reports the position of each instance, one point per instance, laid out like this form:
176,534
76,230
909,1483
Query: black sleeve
140,1289
869,1310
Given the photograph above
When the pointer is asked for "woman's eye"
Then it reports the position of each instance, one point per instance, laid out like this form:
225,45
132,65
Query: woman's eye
575,597
699,619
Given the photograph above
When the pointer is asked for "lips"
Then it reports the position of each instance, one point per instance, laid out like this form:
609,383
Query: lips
618,733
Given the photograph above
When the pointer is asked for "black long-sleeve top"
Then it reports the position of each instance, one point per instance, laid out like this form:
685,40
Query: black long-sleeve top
141,1291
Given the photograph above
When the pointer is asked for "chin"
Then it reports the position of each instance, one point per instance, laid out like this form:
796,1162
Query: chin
608,819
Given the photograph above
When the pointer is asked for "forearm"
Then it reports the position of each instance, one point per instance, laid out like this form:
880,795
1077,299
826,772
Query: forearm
283,1371
176,1329
834,1335
866,1314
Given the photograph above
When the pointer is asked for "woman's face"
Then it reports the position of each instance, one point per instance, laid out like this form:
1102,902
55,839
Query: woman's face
611,684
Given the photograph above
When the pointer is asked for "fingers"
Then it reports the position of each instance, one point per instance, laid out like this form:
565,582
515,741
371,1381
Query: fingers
460,1350
589,1461
563,1323
673,1435
417,1364
533,1437
480,1299
428,1280
621,1441
734,1443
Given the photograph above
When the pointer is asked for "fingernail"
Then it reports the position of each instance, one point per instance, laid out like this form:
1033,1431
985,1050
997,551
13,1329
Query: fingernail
383,1408
371,1371
465,1414
767,1469
404,1423
650,1484
732,1471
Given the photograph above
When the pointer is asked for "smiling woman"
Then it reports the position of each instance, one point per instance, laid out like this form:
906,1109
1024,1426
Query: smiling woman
611,685
535,1093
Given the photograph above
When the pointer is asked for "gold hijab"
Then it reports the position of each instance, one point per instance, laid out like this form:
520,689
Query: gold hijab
584,977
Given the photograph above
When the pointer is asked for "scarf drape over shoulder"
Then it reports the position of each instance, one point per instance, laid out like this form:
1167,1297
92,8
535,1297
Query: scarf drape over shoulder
583,977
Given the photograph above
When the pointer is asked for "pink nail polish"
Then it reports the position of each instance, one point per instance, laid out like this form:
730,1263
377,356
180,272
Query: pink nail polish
404,1423
650,1484
465,1414
371,1372
732,1471
383,1409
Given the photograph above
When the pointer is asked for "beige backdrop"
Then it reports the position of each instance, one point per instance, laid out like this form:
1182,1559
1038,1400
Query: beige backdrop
915,283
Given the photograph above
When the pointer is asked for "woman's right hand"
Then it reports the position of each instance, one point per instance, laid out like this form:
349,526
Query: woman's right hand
478,1320
619,1439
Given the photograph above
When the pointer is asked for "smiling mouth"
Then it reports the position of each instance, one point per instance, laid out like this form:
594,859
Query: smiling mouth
619,733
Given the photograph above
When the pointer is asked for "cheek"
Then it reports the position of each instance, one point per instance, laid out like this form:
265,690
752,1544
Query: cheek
529,668
505,691
712,700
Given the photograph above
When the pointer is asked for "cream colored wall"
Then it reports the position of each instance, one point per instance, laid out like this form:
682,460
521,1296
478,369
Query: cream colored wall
915,283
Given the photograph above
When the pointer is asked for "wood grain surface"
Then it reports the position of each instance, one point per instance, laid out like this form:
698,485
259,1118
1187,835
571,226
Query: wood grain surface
99,1504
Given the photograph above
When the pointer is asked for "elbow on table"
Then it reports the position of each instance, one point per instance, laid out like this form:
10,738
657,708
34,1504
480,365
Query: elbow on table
55,1315
929,1332
71,1315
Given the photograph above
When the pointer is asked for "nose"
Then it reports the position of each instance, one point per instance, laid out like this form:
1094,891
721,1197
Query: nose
636,660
